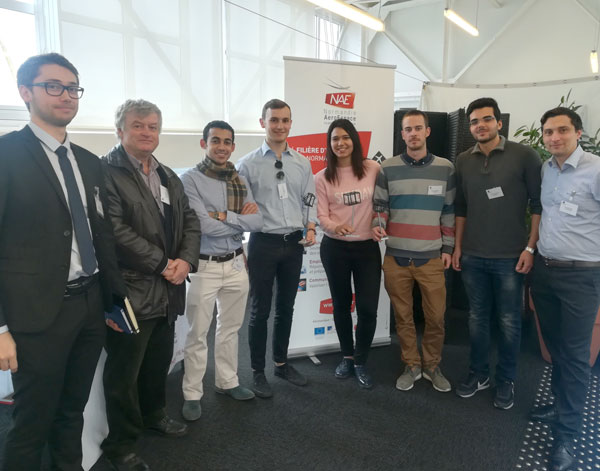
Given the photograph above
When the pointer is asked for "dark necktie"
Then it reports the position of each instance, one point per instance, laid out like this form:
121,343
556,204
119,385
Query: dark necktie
80,224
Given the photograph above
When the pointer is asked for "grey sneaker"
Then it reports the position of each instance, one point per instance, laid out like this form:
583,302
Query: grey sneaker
406,380
439,382
191,410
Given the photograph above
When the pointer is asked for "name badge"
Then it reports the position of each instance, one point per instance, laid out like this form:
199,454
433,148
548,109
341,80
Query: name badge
238,263
282,189
434,190
164,195
493,193
99,207
568,208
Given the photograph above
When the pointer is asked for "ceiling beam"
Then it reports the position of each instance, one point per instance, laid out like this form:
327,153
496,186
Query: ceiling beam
408,53
587,10
520,12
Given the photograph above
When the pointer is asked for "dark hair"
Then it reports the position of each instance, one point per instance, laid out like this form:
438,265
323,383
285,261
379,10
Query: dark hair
417,113
562,111
484,103
30,69
357,160
219,125
274,104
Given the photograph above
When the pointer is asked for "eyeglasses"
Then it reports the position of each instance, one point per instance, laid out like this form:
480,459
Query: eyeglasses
485,119
279,165
57,89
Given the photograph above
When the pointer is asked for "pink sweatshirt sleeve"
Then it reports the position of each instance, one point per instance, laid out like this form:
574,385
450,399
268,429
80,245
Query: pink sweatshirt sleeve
325,221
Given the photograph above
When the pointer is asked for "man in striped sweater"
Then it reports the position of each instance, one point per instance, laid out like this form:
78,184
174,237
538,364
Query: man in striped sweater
414,196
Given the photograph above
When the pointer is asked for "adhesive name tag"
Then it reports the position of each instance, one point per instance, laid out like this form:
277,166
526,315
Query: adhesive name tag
238,263
434,190
282,189
99,207
493,193
568,208
164,195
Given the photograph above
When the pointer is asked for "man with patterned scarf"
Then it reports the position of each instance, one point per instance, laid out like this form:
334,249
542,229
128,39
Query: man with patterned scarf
226,209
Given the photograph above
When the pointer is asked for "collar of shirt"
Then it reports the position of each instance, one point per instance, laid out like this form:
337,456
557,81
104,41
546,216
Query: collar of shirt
139,165
500,146
572,160
266,149
417,163
47,139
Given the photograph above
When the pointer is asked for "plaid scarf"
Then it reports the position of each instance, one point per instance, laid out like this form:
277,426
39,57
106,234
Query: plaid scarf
236,190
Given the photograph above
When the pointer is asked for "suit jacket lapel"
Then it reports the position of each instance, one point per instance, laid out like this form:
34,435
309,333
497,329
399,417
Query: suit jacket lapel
34,146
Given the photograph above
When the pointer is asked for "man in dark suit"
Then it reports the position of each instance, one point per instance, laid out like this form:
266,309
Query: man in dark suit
58,269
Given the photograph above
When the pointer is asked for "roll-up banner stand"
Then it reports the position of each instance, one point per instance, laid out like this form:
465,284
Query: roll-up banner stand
318,93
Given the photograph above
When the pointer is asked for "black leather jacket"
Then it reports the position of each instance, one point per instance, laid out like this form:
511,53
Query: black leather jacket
141,240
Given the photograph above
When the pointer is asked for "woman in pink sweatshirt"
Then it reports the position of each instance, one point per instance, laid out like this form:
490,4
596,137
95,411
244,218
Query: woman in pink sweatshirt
345,211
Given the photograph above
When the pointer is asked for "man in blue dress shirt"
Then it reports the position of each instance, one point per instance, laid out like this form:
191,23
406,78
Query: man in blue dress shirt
226,209
279,178
566,277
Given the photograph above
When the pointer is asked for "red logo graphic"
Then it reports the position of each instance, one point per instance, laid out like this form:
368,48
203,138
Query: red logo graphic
313,147
327,305
341,100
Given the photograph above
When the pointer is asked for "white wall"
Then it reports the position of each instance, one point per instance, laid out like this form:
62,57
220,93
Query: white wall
525,105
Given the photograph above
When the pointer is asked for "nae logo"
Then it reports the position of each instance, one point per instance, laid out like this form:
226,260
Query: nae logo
341,100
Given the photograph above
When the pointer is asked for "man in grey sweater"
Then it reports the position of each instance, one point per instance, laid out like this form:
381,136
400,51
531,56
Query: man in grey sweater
226,209
496,180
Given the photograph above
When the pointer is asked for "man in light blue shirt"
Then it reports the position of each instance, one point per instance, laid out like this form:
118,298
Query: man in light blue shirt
280,179
226,209
566,276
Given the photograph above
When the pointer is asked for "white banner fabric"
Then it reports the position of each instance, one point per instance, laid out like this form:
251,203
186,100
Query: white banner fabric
319,92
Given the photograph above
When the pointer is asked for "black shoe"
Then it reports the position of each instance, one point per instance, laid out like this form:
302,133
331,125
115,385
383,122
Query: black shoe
546,414
471,385
291,374
261,386
505,395
130,462
345,369
562,456
168,427
364,379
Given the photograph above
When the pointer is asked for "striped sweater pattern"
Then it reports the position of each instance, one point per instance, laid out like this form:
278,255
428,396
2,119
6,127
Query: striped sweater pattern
419,207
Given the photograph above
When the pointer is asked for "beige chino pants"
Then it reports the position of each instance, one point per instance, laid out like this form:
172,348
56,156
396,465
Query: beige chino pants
399,282
228,286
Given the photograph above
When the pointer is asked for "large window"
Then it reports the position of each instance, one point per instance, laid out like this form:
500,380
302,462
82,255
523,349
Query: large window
328,33
198,60
17,42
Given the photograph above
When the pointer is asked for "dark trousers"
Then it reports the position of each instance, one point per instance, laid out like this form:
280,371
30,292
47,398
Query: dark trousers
52,385
566,301
271,257
135,377
360,260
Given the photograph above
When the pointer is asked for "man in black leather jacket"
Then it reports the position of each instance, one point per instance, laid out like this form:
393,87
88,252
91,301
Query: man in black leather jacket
158,242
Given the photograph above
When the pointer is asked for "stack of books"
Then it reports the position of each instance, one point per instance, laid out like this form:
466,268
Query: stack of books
124,317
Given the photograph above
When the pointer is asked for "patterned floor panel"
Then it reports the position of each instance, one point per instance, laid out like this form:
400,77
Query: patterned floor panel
538,437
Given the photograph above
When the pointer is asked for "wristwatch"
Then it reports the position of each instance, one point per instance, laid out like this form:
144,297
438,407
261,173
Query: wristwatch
217,215
530,250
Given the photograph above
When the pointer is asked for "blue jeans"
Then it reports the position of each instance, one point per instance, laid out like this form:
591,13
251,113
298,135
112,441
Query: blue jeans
493,285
